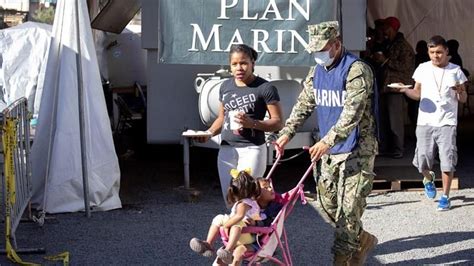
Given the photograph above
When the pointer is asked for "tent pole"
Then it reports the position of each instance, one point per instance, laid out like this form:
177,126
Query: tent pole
52,131
80,87
340,18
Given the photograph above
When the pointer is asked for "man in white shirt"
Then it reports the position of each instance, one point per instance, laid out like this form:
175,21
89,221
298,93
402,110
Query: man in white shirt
439,86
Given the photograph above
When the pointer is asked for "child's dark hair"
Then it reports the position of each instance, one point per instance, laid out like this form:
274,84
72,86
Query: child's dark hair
262,179
241,187
437,40
243,48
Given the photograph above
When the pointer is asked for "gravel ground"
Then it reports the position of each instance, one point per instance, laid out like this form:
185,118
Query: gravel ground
157,221
411,231
156,232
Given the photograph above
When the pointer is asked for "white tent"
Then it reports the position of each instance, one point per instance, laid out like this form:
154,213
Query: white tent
23,49
56,152
420,20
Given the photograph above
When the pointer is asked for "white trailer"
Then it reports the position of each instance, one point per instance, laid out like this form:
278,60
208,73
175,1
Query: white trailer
184,96
173,102
172,99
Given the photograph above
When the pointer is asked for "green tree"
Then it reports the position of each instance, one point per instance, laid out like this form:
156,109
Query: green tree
44,15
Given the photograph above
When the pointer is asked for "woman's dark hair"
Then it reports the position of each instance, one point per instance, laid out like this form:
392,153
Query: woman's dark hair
243,48
241,187
437,40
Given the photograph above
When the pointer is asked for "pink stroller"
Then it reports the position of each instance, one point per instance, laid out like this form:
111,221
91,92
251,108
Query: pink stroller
274,236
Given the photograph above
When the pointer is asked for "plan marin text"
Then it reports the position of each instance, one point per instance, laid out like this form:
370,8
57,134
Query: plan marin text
260,37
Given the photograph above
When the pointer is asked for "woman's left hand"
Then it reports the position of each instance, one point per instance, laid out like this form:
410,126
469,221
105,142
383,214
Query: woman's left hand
243,119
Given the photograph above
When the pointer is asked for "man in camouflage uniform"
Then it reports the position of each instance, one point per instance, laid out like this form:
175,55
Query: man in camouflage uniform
342,88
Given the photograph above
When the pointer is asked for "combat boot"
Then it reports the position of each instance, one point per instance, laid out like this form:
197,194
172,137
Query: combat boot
367,243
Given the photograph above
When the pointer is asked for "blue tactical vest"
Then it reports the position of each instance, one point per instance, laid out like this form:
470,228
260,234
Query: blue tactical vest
330,93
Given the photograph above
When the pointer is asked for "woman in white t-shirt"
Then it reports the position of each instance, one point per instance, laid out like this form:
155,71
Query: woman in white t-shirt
439,86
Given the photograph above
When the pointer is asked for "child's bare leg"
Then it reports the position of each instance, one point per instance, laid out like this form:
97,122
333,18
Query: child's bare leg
238,253
205,248
212,234
225,254
234,235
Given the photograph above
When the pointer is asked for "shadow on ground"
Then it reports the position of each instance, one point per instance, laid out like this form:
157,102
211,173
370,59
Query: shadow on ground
425,243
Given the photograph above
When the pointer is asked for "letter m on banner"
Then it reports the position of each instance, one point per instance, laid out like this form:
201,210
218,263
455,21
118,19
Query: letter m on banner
201,32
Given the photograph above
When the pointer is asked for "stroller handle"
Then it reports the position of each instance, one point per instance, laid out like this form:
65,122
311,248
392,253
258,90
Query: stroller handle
275,163
308,171
278,158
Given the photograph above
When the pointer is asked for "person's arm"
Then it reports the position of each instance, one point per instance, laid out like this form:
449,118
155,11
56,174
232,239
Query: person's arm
274,123
359,87
461,93
303,108
216,126
241,210
414,93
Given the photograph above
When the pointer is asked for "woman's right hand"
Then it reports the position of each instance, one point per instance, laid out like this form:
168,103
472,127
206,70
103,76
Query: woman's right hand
201,139
204,138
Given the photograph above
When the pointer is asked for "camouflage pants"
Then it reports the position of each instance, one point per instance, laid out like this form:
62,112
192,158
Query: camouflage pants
345,182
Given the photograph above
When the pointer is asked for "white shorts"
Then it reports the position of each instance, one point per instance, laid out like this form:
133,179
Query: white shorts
431,140
240,158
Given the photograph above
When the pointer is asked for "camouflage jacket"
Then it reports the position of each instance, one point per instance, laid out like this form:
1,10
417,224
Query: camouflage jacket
357,110
400,63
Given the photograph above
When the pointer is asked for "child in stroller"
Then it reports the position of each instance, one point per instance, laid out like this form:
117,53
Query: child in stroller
269,202
270,232
242,193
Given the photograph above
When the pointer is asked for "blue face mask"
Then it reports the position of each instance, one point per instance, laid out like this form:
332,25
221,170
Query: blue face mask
323,58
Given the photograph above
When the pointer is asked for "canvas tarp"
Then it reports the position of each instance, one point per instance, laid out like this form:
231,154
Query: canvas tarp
57,141
23,50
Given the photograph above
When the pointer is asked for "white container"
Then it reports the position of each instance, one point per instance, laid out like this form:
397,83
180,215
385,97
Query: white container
234,125
451,80
208,89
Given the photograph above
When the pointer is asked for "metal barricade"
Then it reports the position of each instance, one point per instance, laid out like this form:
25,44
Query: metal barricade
16,180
